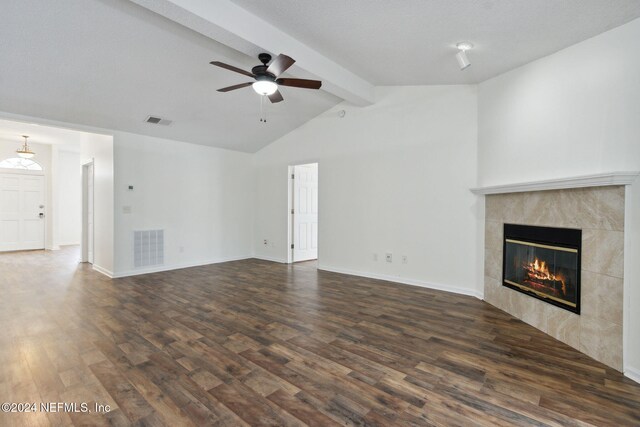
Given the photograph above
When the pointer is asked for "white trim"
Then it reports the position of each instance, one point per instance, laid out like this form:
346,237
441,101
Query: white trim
104,271
84,238
595,180
269,258
23,171
632,373
161,268
68,244
626,283
290,235
405,281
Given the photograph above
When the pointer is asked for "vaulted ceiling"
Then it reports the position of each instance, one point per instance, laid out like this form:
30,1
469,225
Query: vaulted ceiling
412,42
111,63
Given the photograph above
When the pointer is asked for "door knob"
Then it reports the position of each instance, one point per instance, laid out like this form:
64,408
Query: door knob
41,215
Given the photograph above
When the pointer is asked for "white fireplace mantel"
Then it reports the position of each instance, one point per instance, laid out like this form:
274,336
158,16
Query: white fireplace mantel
595,180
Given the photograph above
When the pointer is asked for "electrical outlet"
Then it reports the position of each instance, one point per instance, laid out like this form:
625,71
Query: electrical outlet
375,257
404,259
265,242
389,257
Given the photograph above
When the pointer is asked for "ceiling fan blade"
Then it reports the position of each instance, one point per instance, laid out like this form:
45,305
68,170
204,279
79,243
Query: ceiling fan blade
234,87
303,83
276,97
231,68
280,65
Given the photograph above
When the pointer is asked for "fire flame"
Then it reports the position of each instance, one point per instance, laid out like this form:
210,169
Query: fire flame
539,270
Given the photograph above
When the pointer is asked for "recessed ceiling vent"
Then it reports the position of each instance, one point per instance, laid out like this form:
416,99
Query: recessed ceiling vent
155,120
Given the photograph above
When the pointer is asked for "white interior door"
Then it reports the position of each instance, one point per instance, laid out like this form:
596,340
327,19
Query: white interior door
21,212
88,238
305,212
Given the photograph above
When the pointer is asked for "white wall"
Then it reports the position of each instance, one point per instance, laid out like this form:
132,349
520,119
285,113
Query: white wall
201,196
393,177
572,113
69,206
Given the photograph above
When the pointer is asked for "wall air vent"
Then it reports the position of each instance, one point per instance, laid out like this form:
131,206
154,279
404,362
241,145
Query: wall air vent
148,248
155,120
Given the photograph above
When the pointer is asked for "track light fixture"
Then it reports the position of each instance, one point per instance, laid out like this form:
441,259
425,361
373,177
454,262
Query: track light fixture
461,56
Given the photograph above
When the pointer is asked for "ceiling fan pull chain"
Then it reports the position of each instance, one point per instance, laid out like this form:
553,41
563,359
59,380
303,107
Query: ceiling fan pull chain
261,107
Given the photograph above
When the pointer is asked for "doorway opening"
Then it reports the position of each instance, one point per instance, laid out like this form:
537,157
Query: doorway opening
47,197
303,213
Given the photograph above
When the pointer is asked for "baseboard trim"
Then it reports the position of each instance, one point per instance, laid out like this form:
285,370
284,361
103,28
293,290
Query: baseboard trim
161,268
272,259
404,281
388,278
104,271
632,373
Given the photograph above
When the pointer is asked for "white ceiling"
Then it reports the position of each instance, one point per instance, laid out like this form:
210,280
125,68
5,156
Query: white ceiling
111,63
412,42
64,139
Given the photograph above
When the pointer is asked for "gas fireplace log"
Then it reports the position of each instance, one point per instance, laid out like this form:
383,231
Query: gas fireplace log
556,285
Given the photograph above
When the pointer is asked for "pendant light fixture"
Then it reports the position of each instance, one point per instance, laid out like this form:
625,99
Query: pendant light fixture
25,152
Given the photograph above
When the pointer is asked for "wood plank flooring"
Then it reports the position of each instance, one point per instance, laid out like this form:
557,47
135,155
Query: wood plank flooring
258,343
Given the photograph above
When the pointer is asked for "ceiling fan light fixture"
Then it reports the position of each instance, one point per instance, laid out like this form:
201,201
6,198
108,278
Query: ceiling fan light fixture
267,77
265,87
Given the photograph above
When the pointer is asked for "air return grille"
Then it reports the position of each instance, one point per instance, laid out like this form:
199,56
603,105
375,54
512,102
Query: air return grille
155,120
148,248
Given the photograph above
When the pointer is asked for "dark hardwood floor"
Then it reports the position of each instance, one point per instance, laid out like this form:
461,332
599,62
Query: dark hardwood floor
258,343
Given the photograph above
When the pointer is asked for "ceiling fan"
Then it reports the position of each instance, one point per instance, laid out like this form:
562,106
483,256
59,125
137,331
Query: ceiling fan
266,77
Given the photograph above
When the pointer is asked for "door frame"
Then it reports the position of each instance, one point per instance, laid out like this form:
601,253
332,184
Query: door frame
45,193
290,202
85,208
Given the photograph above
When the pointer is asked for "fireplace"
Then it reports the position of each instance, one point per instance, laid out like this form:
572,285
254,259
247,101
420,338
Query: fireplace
543,262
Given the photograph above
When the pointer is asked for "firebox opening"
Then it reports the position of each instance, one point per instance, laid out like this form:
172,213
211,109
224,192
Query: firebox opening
543,262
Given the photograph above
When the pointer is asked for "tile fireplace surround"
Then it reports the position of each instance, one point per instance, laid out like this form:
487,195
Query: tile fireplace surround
599,212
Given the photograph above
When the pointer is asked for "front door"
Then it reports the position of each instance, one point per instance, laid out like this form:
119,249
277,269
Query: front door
21,212
305,212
